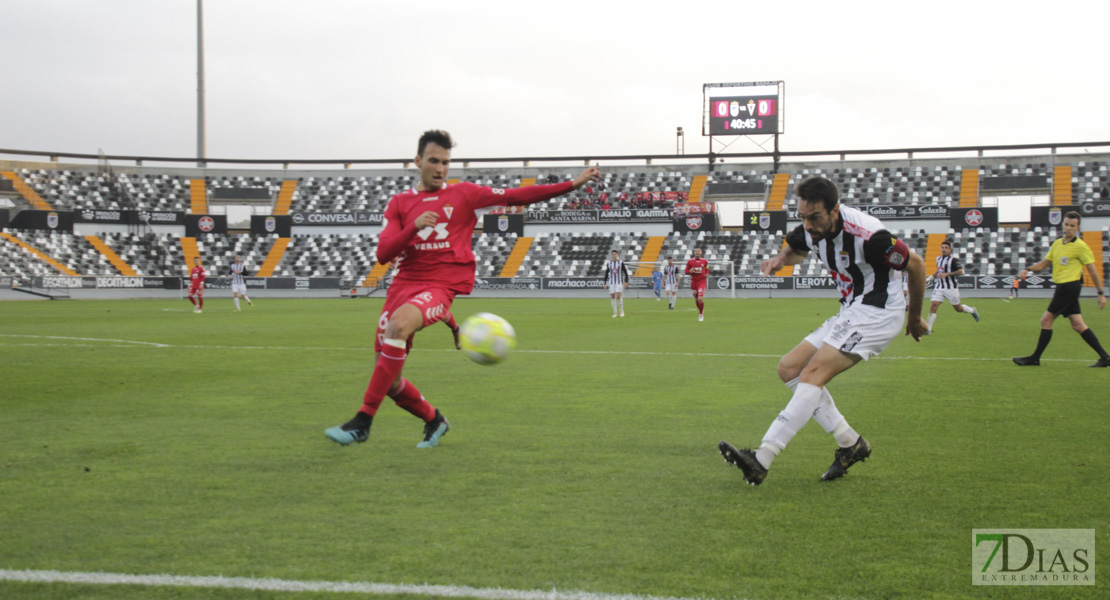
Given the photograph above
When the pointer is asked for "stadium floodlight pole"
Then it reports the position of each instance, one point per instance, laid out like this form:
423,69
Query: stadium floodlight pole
200,84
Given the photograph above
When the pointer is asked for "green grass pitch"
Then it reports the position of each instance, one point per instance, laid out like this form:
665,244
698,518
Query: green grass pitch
137,437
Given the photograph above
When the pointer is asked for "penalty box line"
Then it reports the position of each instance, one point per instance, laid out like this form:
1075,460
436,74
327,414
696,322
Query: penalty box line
286,585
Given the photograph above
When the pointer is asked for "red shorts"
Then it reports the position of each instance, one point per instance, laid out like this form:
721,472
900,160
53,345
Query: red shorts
196,291
434,304
698,288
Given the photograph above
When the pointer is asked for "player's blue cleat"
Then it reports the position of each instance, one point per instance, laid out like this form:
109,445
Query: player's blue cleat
338,435
975,314
433,430
355,430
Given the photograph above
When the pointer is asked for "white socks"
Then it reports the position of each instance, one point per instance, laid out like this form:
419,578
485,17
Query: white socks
967,309
236,303
808,401
613,301
791,420
932,317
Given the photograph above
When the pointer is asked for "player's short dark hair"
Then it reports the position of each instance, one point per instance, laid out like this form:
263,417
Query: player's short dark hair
436,136
819,189
1071,214
946,243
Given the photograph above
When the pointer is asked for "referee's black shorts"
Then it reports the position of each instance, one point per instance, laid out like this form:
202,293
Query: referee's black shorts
1065,301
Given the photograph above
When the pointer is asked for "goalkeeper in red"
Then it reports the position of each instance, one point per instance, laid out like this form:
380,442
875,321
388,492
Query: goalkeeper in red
698,270
429,229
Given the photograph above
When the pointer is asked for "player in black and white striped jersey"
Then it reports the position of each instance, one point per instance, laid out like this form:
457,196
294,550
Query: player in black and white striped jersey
864,258
946,287
616,280
671,280
238,284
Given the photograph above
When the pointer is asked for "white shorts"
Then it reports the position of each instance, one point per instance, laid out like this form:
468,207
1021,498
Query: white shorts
239,288
859,329
671,288
616,289
952,296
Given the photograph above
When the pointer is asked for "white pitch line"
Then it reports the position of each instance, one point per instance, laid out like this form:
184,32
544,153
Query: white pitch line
519,351
84,339
286,585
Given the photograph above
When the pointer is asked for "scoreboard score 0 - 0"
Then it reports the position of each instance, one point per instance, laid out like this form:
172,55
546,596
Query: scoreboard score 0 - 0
743,108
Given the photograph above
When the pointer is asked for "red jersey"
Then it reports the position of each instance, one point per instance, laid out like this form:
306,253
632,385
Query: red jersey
442,255
698,270
196,276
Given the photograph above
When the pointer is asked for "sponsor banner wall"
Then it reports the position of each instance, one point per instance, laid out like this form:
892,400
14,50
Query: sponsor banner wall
508,283
112,216
503,224
128,217
972,218
224,282
695,223
6,282
50,220
765,220
615,215
894,211
161,217
198,224
1095,208
1050,216
766,283
322,219
282,225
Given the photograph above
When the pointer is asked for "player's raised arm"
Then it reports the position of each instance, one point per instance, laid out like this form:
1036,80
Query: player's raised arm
534,193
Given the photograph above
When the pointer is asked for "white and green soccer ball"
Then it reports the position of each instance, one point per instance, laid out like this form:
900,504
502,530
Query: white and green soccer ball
487,338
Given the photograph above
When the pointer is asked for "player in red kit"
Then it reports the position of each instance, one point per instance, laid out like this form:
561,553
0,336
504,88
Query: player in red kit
698,270
429,229
196,285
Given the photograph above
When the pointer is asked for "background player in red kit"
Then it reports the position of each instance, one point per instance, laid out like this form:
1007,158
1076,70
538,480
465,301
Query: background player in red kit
429,229
196,285
698,270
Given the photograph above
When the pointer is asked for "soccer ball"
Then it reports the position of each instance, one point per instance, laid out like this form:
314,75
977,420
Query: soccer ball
487,338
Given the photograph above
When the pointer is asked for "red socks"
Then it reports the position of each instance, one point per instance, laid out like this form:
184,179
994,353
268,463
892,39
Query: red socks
410,399
385,372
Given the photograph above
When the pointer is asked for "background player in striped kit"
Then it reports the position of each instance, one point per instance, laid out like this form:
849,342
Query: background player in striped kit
945,285
616,279
238,284
864,259
671,279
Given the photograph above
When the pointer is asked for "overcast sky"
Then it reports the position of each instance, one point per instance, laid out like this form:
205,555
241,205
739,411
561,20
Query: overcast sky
349,79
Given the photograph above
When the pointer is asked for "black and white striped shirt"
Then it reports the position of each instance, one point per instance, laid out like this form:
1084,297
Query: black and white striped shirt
856,256
615,272
237,271
670,275
947,264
